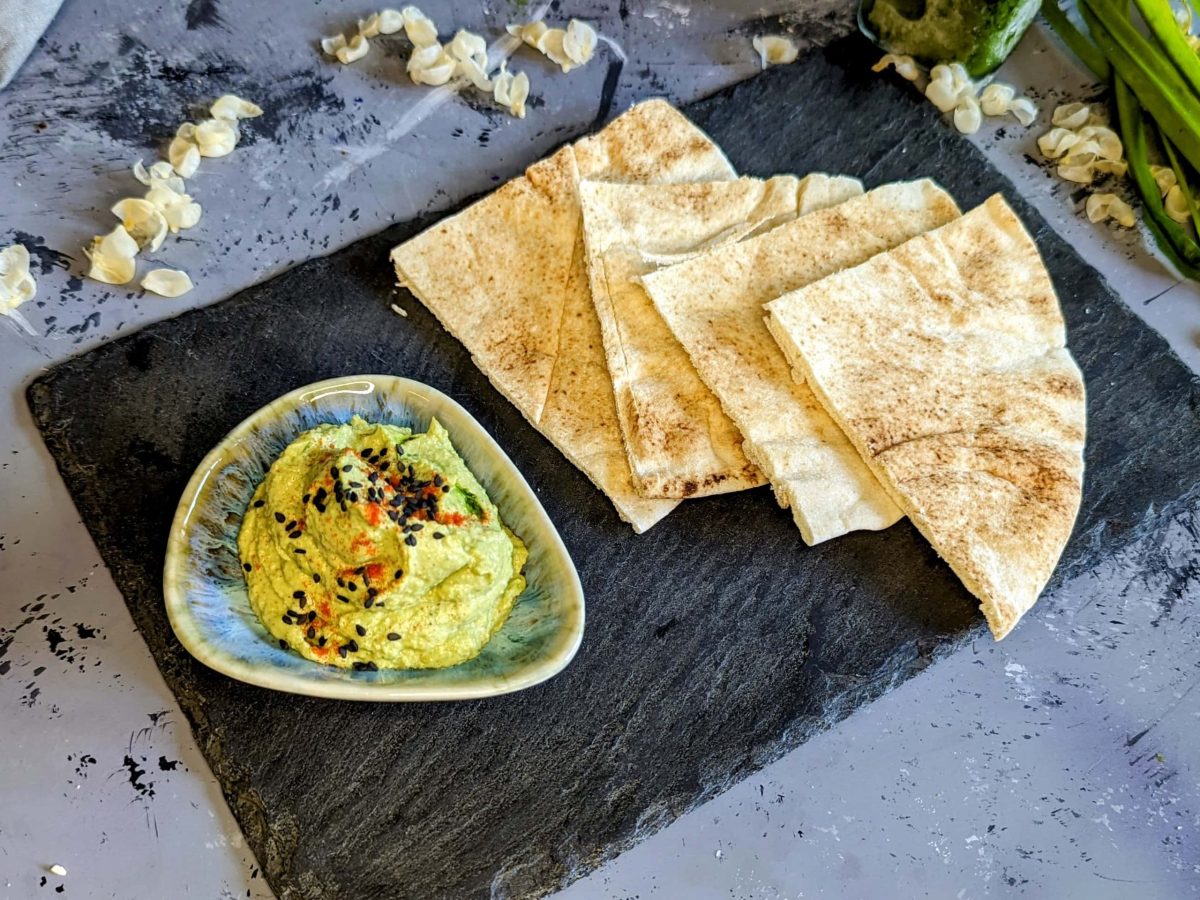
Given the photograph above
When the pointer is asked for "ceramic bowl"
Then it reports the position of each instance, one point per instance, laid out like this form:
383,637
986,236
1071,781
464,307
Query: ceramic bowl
206,594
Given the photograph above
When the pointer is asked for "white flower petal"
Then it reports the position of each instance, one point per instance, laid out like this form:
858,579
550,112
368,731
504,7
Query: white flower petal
356,48
906,66
140,173
967,116
996,99
1056,142
1107,142
530,32
467,46
941,93
112,269
1176,205
231,106
16,283
1024,111
1164,177
419,27
143,221
774,50
369,27
470,69
217,137
551,44
580,41
331,45
118,244
1071,115
1081,169
511,90
431,65
167,282
390,21
184,156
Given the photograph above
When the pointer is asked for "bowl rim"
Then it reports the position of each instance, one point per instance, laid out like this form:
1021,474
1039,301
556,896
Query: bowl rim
182,622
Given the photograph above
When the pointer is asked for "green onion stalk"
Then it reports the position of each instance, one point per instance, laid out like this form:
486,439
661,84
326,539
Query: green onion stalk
1155,77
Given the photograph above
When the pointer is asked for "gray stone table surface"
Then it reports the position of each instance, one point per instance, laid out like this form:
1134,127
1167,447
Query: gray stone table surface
1061,763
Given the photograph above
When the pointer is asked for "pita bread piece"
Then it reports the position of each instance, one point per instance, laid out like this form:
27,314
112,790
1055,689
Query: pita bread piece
506,276
679,442
945,362
713,305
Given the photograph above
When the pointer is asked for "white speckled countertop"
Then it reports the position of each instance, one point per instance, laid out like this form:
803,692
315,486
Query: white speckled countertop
1064,762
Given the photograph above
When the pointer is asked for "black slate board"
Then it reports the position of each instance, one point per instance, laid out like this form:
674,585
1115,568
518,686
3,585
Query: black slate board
715,642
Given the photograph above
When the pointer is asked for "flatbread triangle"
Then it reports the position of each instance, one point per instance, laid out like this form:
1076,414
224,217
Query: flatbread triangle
945,363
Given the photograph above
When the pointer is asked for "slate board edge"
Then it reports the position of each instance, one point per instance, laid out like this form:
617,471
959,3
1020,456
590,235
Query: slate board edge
271,844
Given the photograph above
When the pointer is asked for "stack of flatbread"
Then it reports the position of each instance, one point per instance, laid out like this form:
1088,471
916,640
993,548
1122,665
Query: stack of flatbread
677,331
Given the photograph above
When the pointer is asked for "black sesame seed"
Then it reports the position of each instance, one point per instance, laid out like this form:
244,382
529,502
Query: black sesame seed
312,633
343,598
299,595
411,541
370,666
366,451
295,534
361,667
259,503
305,498
399,574
347,467
417,526
396,501
334,473
321,641
369,602
392,636
342,651
383,466
437,480
290,525
282,644
248,567
445,488
341,582
437,535
371,592
299,550
373,477
280,518
352,645
287,620
317,577
362,632
383,452
393,515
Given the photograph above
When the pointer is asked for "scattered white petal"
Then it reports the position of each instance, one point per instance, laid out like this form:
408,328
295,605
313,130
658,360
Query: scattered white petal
530,33
143,220
58,870
580,42
906,67
431,65
1056,142
167,282
941,93
369,27
16,283
233,107
177,208
469,52
112,257
552,44
1116,167
967,116
1109,206
331,45
1164,177
184,156
1078,167
996,99
399,311
774,50
140,173
1176,205
356,48
1024,111
216,137
1108,144
511,90
419,27
390,21
1071,115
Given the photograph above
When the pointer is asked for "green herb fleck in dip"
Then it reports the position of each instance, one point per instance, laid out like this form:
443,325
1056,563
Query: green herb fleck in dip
368,546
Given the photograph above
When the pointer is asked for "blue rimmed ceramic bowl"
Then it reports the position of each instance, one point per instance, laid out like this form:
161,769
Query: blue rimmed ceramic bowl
206,593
